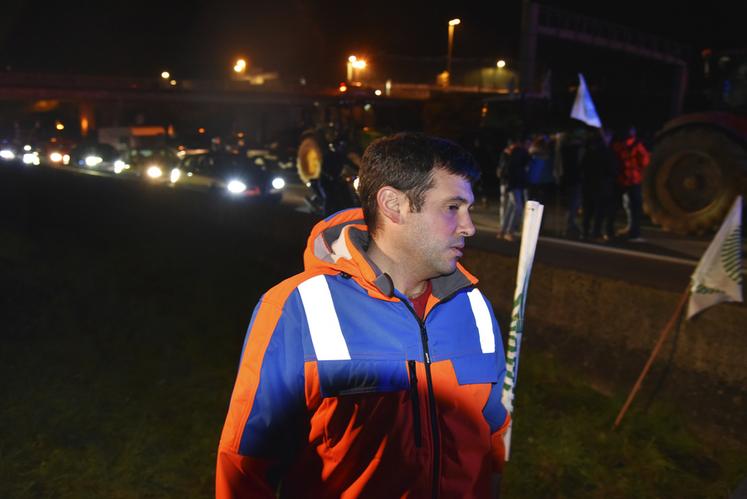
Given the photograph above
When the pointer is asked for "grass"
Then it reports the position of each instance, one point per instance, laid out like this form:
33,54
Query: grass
563,446
120,346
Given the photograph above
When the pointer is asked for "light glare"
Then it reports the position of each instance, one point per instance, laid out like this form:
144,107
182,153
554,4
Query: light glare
236,186
154,171
93,160
31,158
176,174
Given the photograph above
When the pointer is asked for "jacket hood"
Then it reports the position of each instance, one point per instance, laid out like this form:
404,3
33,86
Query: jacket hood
338,244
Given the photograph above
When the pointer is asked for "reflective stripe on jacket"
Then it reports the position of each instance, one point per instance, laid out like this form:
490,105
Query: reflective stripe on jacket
342,391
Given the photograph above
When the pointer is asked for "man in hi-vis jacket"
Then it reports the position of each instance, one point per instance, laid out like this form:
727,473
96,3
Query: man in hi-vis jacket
377,372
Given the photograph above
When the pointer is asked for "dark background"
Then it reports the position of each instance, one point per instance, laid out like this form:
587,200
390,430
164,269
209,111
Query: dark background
297,38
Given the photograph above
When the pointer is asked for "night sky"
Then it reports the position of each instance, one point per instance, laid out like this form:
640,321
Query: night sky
297,38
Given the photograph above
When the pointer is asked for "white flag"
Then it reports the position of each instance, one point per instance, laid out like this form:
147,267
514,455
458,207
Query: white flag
718,276
583,106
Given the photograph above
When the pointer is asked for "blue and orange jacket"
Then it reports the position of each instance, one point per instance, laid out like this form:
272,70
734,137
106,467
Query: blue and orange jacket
342,391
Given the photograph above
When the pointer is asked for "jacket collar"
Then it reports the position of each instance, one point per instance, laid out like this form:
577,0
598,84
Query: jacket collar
338,244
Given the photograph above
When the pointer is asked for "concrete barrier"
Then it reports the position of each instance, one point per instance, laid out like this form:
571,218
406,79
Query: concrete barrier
619,321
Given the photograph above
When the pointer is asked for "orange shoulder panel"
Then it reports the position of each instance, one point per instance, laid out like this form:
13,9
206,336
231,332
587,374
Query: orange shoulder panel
247,380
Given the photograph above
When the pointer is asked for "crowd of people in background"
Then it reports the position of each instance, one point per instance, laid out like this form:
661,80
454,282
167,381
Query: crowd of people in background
592,171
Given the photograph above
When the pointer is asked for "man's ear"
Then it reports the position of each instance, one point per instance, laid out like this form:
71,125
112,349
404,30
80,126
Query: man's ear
391,203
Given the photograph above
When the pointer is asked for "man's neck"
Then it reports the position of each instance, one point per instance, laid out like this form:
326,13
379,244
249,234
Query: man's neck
398,268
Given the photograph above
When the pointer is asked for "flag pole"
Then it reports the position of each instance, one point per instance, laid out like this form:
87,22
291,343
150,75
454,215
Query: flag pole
529,235
662,337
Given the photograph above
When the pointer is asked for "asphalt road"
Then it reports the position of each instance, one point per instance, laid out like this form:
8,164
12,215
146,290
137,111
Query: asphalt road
663,261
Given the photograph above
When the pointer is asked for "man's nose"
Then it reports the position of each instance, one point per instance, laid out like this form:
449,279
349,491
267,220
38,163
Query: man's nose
466,227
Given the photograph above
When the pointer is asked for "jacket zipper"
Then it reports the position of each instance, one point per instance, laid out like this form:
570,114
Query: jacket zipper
415,403
431,402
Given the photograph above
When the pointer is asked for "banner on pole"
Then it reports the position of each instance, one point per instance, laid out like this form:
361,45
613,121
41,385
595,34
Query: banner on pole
583,107
718,276
529,235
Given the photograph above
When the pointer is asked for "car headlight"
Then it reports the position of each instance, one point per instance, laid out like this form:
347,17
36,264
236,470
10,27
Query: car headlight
65,159
120,166
55,157
30,158
176,174
154,171
236,187
278,183
7,154
93,160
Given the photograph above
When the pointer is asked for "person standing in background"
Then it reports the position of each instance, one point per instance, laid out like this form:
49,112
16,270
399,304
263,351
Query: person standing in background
518,160
634,158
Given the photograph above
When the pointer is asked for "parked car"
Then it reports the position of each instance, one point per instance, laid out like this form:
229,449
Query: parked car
16,154
158,164
232,175
8,151
56,152
97,156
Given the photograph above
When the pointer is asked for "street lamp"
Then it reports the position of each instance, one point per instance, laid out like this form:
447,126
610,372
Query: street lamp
452,23
240,66
354,66
501,64
165,75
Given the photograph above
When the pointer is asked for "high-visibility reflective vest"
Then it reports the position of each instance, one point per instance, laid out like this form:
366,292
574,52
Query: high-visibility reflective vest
342,391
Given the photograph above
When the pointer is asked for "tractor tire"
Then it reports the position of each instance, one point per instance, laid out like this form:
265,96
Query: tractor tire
310,158
694,176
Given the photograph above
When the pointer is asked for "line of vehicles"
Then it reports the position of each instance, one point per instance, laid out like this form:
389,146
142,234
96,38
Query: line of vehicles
224,167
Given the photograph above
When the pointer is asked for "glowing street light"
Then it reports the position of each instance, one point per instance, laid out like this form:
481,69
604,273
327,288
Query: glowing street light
452,23
165,75
501,64
59,126
240,66
354,66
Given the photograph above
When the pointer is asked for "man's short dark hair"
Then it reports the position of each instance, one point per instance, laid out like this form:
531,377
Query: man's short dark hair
406,161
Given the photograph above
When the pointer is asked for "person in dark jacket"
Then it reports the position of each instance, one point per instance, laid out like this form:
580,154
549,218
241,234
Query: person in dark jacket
516,183
600,167
571,147
540,178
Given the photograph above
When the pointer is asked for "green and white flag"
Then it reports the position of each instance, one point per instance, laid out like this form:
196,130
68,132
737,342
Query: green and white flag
718,276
